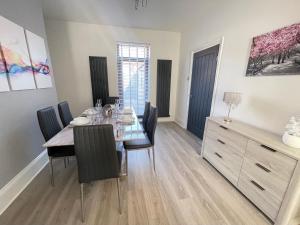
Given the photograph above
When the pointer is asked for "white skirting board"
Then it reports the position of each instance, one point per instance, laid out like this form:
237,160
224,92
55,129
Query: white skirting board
15,186
180,123
165,119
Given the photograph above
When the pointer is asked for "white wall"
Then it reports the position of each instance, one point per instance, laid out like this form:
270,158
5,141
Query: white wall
268,102
72,43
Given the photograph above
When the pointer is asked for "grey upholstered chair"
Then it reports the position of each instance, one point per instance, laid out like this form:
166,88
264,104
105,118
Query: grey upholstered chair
97,157
147,142
111,100
65,113
146,115
49,126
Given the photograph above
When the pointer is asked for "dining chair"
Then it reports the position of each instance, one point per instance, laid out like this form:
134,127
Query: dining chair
65,113
49,126
97,157
146,115
147,142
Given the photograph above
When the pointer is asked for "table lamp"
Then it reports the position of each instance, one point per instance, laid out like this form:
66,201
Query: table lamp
232,99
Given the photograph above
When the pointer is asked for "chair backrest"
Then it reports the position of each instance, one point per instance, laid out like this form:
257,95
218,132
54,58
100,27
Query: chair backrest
48,122
146,115
151,125
111,100
95,150
65,113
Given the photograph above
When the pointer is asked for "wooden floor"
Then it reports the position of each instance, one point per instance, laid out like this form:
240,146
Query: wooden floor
186,190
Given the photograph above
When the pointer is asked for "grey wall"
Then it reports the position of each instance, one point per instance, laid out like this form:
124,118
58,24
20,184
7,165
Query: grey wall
20,137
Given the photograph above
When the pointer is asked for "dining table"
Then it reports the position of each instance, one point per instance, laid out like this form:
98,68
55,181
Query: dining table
123,130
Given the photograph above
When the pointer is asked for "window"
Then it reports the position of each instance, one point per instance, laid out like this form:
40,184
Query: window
133,75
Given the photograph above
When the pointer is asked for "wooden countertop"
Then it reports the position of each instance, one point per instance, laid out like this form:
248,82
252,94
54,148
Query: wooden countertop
256,134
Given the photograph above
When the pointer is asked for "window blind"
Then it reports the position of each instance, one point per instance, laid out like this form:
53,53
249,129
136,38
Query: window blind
133,75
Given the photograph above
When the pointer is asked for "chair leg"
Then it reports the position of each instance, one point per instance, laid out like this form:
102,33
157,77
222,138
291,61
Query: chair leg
51,170
68,159
82,206
148,152
153,158
65,162
118,186
126,162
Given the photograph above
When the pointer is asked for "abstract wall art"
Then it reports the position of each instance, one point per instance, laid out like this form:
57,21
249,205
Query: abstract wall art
39,60
16,56
4,86
276,53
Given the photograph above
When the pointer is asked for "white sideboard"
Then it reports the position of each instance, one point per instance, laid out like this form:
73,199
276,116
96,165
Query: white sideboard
257,163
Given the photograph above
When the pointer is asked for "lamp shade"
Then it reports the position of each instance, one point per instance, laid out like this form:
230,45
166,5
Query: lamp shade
232,98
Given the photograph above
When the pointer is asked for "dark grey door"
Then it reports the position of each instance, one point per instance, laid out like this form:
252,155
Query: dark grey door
202,87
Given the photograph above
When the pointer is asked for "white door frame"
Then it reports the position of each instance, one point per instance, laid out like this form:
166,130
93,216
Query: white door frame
218,41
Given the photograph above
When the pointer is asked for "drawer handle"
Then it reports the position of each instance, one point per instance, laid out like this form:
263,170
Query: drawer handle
268,148
217,154
262,167
225,128
257,185
222,142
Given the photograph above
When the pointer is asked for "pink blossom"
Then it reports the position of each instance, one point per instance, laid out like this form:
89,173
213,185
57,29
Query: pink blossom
275,42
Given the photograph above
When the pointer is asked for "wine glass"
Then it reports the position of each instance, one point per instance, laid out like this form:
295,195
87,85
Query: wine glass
98,105
117,104
117,107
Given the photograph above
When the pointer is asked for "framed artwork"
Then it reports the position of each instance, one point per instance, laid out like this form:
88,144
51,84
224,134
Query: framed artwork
4,86
276,53
16,56
39,60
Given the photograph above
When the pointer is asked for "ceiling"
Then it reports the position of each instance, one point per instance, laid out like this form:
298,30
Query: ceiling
159,14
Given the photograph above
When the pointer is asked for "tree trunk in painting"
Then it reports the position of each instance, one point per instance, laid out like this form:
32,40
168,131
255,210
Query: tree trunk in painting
279,59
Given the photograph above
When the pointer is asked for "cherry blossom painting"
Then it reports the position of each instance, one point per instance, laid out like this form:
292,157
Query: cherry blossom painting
276,53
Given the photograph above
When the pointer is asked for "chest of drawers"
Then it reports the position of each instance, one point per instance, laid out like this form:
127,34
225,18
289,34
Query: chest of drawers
257,163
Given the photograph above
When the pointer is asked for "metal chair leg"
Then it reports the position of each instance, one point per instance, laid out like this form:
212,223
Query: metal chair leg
126,161
148,152
51,170
153,158
82,206
118,185
68,159
65,162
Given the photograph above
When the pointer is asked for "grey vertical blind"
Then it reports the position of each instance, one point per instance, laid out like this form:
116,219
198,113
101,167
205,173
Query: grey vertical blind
164,70
99,79
133,75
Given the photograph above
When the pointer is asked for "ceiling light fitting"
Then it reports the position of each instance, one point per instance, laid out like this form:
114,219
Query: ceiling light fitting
140,3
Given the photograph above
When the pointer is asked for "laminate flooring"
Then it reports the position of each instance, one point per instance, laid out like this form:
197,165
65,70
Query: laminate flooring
185,190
